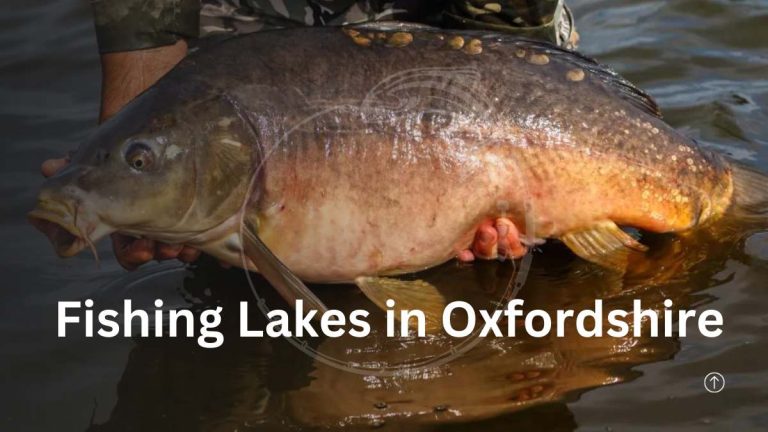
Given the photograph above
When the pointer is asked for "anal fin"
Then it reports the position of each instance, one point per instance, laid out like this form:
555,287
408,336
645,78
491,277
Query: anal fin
411,295
604,244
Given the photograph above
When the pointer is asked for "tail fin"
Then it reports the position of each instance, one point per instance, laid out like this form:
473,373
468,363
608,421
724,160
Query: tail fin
750,191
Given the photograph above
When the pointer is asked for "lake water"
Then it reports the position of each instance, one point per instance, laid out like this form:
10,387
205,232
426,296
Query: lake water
705,62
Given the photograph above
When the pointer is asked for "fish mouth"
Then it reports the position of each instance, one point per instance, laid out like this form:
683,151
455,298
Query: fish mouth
66,238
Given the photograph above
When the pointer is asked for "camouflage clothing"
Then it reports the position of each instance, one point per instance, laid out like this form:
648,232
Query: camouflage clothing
123,25
126,25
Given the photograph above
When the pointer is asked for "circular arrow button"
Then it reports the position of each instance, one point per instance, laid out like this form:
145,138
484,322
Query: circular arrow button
714,382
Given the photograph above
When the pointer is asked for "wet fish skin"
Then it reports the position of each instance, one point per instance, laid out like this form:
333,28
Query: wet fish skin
524,126
373,158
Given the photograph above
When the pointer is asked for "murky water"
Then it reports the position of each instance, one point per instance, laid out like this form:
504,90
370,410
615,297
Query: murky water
706,62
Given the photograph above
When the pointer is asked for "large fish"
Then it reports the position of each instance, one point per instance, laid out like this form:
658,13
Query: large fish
352,154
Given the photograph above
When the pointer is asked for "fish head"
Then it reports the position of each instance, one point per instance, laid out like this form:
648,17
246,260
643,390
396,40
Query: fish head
171,165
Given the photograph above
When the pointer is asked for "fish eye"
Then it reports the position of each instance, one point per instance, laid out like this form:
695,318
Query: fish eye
139,156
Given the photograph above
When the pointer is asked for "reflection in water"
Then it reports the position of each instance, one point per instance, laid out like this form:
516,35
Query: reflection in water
267,383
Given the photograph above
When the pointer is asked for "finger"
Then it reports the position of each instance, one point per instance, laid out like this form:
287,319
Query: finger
52,166
189,254
132,252
165,251
484,245
466,256
516,246
502,230
509,239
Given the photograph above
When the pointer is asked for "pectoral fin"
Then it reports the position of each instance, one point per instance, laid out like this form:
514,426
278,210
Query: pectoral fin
409,295
605,244
287,284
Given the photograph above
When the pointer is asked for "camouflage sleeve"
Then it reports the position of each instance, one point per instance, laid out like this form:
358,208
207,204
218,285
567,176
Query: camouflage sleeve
539,19
126,25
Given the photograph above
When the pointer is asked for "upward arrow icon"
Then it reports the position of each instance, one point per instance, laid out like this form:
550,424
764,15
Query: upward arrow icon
714,382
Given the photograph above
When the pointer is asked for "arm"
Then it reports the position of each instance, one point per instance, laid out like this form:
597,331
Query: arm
126,74
139,41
